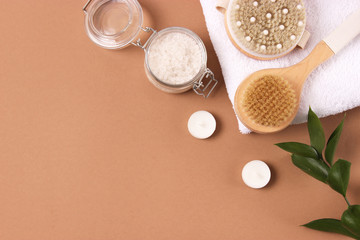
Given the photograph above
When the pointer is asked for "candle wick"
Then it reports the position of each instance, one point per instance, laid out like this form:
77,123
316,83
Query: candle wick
259,175
202,124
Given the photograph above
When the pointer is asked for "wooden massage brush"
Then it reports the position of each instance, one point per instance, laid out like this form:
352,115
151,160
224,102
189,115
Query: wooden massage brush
267,100
265,29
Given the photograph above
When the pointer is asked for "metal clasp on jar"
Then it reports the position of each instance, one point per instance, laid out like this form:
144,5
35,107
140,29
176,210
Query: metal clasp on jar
148,30
201,88
87,4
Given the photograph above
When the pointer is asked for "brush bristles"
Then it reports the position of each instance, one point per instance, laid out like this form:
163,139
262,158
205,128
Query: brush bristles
269,101
267,27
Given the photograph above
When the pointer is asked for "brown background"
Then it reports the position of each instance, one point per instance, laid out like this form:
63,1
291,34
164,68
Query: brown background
89,149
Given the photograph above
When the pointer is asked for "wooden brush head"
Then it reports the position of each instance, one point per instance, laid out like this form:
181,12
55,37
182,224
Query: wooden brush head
260,97
266,29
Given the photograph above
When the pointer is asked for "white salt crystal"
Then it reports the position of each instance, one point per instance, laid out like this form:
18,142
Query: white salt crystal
175,58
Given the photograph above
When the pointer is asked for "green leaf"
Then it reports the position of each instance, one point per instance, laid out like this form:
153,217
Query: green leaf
351,219
339,175
315,168
300,149
330,225
316,132
332,143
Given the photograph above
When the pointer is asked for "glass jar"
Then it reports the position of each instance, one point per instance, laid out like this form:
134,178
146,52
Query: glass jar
115,24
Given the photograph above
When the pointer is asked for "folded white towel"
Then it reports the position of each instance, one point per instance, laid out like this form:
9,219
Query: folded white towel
332,88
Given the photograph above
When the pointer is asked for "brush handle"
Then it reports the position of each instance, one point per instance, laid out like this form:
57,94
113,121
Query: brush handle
344,33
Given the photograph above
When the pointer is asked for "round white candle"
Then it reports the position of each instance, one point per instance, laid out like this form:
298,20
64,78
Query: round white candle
201,124
256,174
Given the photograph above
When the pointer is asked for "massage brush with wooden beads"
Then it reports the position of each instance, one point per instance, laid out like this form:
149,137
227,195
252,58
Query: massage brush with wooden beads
265,29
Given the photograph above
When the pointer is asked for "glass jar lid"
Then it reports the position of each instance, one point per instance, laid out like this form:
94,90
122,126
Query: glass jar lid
113,24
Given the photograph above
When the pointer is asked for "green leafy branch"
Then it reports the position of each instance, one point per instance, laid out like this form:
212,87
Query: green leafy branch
309,158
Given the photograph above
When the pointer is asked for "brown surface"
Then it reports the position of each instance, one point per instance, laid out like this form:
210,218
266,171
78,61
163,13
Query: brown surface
89,149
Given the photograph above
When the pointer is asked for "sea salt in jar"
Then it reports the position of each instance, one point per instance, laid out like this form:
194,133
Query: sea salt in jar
175,60
175,57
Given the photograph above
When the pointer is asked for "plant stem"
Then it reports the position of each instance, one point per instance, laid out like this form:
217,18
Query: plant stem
347,201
